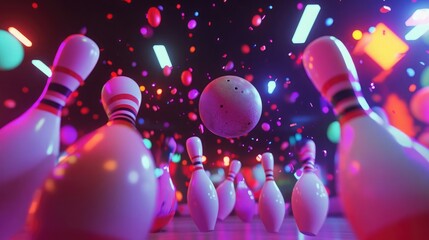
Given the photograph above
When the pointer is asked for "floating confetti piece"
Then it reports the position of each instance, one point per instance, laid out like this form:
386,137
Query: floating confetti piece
154,17
186,78
385,9
192,24
256,20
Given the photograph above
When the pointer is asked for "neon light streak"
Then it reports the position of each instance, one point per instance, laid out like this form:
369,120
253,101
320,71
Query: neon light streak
417,32
23,39
42,67
162,55
306,23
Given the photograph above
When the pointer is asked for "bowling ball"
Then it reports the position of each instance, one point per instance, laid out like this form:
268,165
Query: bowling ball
230,106
11,51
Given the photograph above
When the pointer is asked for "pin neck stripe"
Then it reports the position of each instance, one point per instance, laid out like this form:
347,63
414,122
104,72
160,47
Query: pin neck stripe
349,110
123,121
56,87
308,164
123,118
69,72
197,163
122,97
331,82
342,95
197,156
197,168
351,114
50,106
124,108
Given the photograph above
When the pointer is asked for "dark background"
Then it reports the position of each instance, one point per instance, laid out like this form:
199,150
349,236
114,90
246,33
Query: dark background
222,28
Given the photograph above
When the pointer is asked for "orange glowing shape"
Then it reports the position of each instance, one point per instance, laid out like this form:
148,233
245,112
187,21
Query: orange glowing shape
385,47
399,114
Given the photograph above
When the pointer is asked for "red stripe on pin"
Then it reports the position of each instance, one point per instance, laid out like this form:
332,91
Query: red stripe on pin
123,96
331,82
197,168
351,115
48,108
69,72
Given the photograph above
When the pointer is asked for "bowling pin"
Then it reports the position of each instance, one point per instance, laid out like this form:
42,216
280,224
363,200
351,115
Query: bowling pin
105,186
29,145
226,191
202,198
271,205
383,174
166,200
310,201
245,204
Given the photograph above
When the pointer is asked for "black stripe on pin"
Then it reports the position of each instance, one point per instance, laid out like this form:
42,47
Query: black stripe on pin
230,175
52,104
196,163
349,109
59,89
269,175
341,95
124,118
123,109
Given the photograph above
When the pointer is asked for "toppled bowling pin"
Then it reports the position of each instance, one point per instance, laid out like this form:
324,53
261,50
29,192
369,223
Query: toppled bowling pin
310,201
202,198
271,205
166,199
29,145
383,175
226,191
245,204
105,186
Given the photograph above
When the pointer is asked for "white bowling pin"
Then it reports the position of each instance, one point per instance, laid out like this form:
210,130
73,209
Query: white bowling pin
245,204
226,191
271,205
166,200
383,174
202,198
105,186
29,145
310,200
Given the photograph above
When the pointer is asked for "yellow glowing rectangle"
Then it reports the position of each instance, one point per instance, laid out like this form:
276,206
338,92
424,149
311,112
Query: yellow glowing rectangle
385,47
23,39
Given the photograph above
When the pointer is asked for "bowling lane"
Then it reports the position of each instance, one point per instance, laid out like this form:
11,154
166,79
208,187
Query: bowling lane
335,228
182,227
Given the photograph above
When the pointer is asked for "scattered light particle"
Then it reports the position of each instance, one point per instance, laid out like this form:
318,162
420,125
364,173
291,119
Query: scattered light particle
271,86
9,103
192,49
357,34
256,20
192,24
411,72
329,21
